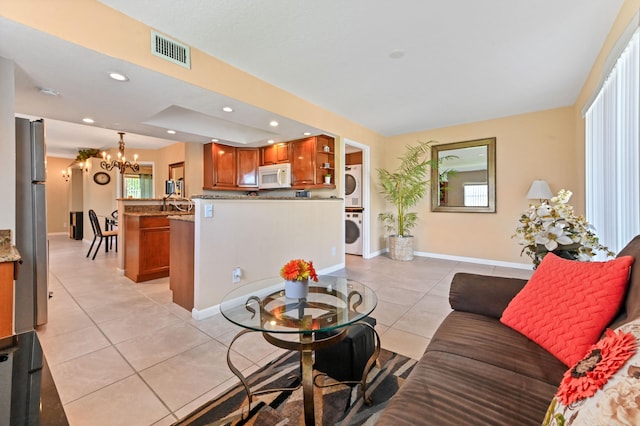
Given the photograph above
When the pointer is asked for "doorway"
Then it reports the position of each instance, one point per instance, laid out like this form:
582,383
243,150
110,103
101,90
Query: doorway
357,201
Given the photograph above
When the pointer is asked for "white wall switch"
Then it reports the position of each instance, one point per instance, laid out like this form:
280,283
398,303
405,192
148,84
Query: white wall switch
208,210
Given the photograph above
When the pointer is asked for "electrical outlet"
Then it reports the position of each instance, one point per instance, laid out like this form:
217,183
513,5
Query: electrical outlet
333,251
236,274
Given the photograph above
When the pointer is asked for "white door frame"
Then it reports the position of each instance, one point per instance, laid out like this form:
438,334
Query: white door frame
366,188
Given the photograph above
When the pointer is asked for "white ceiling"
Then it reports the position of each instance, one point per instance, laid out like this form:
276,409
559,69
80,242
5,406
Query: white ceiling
461,61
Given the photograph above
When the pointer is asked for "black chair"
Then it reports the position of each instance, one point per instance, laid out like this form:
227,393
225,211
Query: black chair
98,233
111,223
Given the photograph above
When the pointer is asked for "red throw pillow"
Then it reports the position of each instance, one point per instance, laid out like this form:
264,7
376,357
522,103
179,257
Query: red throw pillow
567,304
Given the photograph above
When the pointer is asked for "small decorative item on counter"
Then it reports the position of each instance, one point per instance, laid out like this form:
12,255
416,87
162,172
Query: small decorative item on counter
327,179
555,228
296,274
326,148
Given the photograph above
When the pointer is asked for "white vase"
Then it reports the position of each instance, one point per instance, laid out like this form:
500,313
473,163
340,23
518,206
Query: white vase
327,180
296,289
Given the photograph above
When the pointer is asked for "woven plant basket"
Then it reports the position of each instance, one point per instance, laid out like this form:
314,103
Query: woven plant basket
401,248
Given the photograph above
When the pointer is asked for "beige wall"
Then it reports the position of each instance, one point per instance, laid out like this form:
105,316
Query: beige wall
58,193
99,198
193,169
174,153
307,229
529,146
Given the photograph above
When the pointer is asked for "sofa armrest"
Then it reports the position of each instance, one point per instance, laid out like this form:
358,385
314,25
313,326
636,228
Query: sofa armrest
483,294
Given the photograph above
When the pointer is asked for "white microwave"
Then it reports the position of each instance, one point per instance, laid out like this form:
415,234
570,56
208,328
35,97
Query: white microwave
274,176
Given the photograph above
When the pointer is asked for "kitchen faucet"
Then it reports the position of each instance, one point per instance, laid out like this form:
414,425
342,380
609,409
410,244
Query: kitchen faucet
164,201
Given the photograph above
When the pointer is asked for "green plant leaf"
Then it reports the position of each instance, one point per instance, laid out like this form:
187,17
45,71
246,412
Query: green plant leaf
405,187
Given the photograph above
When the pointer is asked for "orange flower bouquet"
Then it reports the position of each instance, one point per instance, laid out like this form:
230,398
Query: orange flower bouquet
298,270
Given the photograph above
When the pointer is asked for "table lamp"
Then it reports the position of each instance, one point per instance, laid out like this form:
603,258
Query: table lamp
540,190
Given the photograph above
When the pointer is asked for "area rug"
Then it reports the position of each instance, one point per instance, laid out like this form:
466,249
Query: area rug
336,405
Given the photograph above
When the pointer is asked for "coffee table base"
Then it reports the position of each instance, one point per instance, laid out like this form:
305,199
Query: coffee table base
306,346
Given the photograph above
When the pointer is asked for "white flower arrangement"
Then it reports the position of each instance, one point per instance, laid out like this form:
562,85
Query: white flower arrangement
555,228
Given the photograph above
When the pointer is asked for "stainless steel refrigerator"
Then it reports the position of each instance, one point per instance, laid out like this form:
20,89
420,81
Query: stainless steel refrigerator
31,289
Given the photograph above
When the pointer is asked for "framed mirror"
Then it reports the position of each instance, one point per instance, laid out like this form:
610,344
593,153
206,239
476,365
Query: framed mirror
465,177
176,171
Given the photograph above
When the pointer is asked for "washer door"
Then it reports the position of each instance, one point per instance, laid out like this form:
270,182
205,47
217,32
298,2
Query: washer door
350,184
352,231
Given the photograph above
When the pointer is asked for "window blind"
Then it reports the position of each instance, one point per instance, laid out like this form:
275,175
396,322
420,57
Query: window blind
613,152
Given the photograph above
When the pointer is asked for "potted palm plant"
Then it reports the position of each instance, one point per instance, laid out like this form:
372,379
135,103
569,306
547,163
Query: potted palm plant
404,188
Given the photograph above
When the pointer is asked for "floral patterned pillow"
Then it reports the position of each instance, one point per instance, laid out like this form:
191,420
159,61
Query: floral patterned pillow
604,387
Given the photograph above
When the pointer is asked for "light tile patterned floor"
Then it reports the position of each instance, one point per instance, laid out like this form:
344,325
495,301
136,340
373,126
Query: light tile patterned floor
123,354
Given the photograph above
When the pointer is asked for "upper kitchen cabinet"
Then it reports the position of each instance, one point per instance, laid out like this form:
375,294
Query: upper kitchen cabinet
303,162
274,154
247,166
220,170
311,159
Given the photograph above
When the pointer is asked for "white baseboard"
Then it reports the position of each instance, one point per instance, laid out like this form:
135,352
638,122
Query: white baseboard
475,260
490,262
205,313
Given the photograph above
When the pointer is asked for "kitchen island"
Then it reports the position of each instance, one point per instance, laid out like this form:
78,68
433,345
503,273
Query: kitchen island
145,240
181,260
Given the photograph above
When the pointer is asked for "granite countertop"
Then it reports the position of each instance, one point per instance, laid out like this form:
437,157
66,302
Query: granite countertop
263,198
183,217
159,213
9,253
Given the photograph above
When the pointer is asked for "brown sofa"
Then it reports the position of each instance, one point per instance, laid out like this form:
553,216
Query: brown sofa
477,371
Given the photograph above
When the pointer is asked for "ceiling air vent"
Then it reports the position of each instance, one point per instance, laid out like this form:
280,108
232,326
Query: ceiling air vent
170,50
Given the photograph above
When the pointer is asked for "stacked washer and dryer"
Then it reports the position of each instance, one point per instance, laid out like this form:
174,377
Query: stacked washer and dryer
354,209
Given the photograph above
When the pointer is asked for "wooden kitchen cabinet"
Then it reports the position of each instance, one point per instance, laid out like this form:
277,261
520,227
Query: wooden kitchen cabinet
181,262
274,154
303,162
310,161
219,166
146,247
7,270
247,167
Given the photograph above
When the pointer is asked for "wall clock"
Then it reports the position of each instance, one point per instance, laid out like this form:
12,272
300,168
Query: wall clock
101,178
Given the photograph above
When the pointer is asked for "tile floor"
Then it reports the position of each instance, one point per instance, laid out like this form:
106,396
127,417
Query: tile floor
123,354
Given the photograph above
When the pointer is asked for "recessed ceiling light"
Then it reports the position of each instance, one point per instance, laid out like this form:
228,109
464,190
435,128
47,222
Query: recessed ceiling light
49,92
227,109
396,54
118,77
214,140
171,132
273,123
307,133
270,141
88,120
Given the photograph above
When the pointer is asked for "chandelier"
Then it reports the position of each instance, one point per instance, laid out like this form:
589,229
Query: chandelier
121,163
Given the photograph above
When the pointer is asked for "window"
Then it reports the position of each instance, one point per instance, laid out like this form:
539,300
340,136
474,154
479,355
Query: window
613,152
138,186
476,195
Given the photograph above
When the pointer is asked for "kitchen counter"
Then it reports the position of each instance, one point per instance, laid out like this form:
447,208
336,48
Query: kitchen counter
262,198
9,253
182,217
159,213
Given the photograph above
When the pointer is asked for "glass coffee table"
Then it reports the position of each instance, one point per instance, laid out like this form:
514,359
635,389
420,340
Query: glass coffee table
333,304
